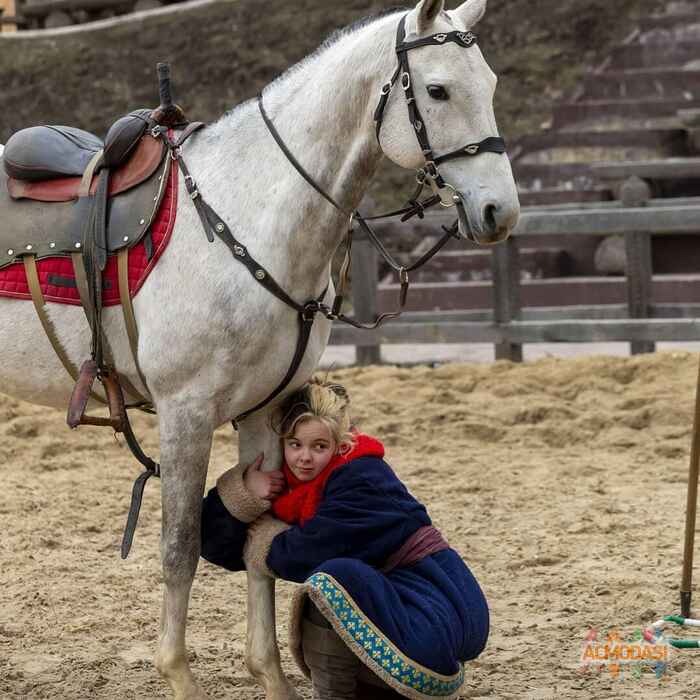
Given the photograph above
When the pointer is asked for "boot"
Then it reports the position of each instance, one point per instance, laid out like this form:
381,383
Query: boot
333,666
336,673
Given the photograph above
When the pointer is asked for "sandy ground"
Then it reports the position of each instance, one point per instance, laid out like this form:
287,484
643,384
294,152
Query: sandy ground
561,482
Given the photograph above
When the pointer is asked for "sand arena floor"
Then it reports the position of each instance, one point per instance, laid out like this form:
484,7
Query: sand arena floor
561,482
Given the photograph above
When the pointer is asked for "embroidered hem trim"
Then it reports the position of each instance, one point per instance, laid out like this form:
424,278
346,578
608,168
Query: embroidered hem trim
363,638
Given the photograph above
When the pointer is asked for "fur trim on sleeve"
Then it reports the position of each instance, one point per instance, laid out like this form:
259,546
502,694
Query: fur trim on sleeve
257,546
240,502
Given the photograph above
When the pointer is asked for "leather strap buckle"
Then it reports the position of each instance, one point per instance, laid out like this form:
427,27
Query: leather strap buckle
311,308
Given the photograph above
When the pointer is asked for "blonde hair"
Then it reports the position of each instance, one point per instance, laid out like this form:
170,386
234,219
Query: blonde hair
323,401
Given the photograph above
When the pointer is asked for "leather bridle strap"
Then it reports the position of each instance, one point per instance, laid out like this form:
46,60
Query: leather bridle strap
214,226
491,144
416,207
290,157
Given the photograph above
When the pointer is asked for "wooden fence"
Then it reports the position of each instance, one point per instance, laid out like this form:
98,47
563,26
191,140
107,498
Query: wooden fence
508,325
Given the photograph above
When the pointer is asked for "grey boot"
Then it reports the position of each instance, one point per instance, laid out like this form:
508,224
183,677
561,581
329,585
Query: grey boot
334,667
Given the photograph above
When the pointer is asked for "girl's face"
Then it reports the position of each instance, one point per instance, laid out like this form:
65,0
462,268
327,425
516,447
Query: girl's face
310,449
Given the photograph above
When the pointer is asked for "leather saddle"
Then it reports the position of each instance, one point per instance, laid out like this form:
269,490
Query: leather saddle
50,179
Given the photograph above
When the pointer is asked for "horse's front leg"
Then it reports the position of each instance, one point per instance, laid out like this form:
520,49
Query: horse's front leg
185,439
262,652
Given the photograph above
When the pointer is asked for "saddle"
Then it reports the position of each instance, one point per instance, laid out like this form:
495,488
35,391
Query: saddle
64,192
51,178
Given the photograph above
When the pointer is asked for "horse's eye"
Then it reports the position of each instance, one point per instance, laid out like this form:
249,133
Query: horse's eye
437,92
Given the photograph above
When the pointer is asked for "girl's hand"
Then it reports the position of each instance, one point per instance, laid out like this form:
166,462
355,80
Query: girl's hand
265,485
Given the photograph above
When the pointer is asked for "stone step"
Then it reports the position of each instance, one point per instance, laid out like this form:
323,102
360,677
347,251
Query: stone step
560,195
654,54
540,176
569,113
652,83
671,141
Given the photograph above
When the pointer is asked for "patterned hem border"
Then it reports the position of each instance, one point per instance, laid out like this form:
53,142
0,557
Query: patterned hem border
367,643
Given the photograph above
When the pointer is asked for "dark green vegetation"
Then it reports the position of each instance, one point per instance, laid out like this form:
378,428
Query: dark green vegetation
224,53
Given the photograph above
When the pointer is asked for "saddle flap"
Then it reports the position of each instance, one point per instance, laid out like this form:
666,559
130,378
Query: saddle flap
55,229
141,166
48,152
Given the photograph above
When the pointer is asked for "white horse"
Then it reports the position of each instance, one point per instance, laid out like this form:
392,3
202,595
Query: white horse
212,341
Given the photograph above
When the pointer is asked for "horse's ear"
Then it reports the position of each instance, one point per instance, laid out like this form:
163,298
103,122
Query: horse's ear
469,12
426,12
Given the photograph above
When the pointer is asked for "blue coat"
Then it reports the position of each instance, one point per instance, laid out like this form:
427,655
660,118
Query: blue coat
415,625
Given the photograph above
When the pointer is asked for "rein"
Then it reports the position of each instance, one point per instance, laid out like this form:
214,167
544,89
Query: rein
306,312
214,226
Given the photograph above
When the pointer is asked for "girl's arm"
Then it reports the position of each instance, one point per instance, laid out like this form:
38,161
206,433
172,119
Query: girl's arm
241,495
366,513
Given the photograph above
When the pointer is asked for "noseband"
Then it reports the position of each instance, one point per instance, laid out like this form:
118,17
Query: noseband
430,172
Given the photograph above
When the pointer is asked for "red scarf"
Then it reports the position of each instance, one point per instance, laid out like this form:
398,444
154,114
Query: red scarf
300,502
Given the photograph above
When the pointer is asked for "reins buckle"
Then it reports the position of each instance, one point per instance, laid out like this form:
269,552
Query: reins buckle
406,81
191,186
311,308
430,169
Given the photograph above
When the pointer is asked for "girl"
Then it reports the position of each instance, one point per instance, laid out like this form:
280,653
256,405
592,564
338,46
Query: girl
385,603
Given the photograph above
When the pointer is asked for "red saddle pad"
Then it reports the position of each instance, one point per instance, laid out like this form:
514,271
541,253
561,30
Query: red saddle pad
58,279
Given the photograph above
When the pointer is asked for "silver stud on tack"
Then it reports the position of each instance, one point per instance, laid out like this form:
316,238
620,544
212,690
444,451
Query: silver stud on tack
28,246
125,239
10,252
220,227
142,222
52,245
238,250
77,245
260,274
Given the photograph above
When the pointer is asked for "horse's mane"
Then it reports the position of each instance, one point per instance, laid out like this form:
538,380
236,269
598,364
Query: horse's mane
335,37
330,41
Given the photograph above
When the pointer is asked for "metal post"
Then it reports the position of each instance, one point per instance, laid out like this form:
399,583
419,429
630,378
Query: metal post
365,279
691,508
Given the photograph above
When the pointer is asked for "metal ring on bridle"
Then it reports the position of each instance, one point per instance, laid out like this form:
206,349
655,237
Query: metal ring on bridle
453,199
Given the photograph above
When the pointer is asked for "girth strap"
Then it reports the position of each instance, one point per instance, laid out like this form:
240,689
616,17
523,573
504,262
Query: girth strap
40,306
132,330
82,286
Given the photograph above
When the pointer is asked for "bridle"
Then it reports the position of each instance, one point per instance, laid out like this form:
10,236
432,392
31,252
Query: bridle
430,171
306,312
215,226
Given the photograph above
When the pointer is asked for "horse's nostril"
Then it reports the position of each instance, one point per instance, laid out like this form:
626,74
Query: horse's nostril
490,223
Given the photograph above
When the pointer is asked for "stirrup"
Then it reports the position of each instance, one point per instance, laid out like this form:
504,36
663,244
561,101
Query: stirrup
81,395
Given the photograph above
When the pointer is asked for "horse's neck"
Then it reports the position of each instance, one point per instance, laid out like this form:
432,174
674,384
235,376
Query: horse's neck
323,111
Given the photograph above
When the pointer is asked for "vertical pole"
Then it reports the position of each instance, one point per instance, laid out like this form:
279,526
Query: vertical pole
635,192
639,281
365,280
691,508
505,270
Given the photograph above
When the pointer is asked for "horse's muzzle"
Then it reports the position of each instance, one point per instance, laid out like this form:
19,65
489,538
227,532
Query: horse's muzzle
485,223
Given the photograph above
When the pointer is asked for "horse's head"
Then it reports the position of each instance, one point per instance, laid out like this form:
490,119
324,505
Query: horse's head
449,132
